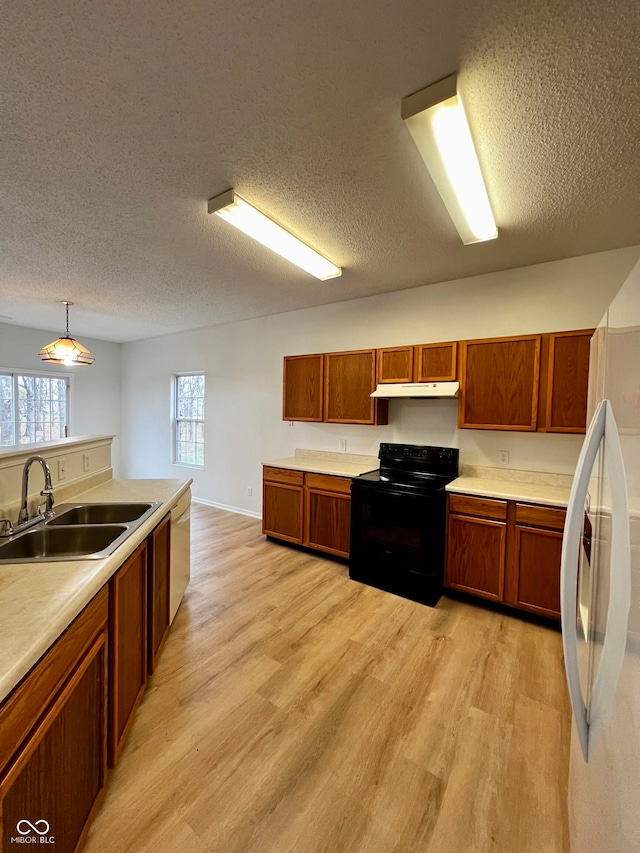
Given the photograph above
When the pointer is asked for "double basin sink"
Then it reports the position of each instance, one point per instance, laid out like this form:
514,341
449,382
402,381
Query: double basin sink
77,532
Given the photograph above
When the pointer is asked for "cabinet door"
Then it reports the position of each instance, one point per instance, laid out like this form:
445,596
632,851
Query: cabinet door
303,385
158,592
476,549
282,510
537,557
395,364
350,378
436,362
54,781
565,381
127,646
499,381
327,521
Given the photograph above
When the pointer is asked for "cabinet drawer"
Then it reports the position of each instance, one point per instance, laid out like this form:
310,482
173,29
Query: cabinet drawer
484,507
328,483
540,516
283,475
22,709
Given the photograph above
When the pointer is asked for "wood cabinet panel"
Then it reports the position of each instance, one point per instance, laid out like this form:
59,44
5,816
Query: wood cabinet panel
540,516
537,555
28,701
60,771
350,378
436,362
565,382
499,383
483,507
158,592
328,482
283,475
476,551
127,646
282,511
395,364
327,521
303,385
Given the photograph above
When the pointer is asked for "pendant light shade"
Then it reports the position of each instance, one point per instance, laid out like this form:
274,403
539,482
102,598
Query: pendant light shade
66,350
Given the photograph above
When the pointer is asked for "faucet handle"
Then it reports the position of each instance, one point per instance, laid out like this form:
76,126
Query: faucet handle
6,527
48,494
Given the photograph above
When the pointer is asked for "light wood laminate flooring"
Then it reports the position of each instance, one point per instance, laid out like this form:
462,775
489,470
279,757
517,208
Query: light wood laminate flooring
296,711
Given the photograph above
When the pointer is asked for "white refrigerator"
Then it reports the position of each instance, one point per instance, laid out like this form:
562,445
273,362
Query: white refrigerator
600,593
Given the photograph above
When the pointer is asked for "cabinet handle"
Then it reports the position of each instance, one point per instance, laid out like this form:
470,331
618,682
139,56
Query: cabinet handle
603,425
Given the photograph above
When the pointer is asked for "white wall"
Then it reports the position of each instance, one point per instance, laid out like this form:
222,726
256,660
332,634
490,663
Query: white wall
243,366
96,397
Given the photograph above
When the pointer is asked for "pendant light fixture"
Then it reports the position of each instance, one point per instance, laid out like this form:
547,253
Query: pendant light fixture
66,350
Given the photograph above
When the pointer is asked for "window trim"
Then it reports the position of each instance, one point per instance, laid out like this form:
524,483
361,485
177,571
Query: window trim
14,372
175,420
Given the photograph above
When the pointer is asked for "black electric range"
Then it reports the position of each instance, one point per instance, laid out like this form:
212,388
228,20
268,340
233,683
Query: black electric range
398,516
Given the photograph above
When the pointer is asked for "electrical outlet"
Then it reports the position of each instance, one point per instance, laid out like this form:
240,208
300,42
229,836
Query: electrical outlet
62,469
85,461
342,445
249,491
503,457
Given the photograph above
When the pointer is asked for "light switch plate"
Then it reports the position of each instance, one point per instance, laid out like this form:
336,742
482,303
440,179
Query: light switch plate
85,461
62,469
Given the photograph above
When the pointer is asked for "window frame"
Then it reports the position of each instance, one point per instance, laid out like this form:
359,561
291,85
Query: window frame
175,420
15,373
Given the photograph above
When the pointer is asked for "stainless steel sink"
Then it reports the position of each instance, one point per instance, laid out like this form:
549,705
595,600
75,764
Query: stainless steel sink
76,542
102,513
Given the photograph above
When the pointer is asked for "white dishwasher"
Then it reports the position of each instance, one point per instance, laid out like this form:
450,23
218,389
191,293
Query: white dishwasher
180,551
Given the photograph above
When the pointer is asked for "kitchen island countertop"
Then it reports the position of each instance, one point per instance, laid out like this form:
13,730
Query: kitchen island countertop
39,600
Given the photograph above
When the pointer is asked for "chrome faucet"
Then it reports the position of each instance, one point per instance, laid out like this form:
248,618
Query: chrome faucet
47,492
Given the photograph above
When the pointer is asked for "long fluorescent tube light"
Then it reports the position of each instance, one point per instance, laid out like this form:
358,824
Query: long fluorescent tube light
435,117
244,216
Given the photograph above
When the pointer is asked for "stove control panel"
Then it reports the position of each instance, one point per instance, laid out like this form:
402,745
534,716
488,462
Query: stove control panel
421,458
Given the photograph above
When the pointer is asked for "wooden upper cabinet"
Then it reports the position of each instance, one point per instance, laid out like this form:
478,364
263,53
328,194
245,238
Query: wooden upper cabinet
303,385
436,362
499,379
350,378
564,380
395,364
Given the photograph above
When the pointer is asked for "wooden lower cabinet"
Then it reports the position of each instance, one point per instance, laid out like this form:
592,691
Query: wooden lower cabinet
158,592
128,646
307,509
515,561
53,725
282,514
476,556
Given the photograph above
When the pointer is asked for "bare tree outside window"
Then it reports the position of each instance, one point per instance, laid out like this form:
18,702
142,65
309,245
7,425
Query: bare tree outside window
33,408
189,419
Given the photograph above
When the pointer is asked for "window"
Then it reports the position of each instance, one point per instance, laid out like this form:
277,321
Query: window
32,408
189,419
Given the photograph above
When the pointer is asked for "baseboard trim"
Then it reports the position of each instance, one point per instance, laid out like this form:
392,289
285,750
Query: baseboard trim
229,508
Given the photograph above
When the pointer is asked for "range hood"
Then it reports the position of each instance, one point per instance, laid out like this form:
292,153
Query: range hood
417,389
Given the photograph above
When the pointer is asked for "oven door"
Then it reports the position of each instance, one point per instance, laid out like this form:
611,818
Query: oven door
397,540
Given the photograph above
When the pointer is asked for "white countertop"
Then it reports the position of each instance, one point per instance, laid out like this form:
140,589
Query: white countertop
327,462
512,485
39,600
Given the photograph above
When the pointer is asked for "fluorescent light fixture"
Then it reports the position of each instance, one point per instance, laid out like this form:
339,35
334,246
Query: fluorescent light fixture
245,217
435,117
65,349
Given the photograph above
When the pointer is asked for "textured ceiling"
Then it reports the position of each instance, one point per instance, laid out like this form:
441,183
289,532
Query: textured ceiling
121,119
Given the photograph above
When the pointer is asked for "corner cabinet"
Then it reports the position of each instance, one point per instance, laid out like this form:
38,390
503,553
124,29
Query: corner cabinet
505,551
307,509
499,380
564,380
53,737
350,379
